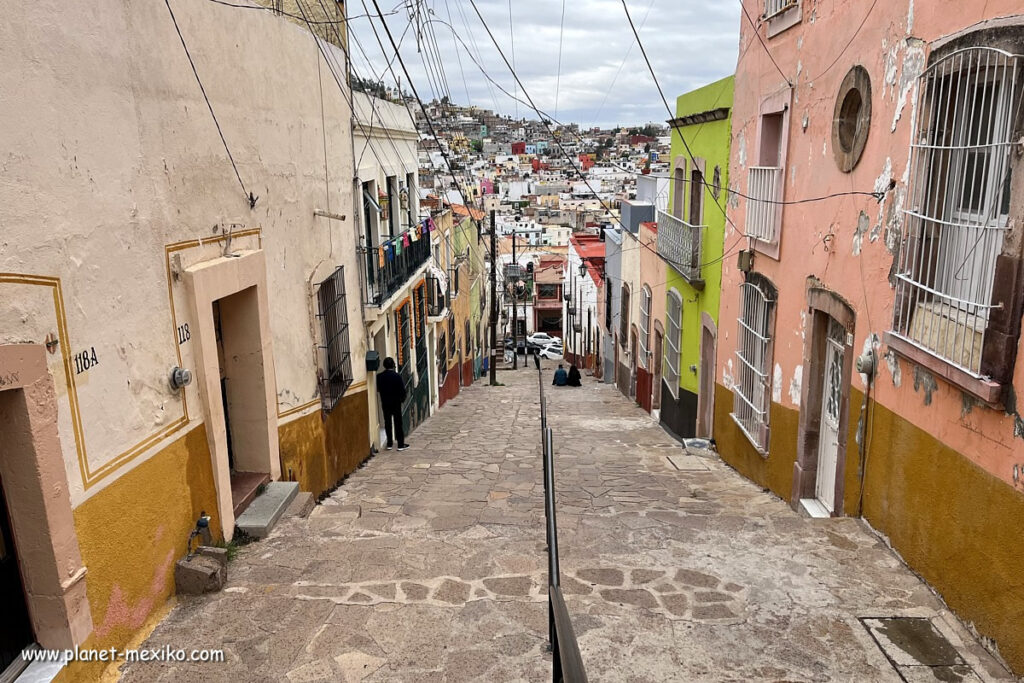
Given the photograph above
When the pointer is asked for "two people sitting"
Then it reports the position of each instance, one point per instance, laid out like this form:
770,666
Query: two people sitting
563,378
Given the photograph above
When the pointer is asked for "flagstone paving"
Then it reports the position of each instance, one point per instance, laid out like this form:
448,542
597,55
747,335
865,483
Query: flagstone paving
429,565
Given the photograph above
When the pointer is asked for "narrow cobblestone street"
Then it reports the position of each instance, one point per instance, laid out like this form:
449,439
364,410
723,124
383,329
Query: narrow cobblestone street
429,565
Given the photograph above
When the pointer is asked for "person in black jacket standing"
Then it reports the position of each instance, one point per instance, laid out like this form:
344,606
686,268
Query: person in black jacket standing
392,392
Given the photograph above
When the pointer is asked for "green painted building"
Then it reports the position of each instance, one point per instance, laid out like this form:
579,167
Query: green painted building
691,236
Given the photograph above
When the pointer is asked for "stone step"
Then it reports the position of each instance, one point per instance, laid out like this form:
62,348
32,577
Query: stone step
264,511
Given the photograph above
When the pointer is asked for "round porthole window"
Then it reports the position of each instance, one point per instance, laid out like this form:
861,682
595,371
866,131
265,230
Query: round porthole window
851,120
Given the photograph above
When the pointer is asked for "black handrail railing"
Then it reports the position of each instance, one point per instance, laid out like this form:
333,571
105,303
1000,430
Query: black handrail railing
387,270
566,661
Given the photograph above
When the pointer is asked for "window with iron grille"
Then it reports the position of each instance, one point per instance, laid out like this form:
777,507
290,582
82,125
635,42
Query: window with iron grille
468,337
959,204
335,357
420,309
645,324
608,305
453,343
673,340
442,356
403,320
773,8
751,385
624,315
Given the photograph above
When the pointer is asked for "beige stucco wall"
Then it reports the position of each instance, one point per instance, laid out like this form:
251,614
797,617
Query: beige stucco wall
116,182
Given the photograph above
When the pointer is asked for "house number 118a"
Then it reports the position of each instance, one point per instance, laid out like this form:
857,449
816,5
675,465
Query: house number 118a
85,360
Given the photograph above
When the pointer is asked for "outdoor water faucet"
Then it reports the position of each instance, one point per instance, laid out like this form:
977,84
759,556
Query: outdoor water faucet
202,529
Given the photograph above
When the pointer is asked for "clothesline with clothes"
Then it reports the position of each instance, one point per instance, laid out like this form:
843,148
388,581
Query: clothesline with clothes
393,247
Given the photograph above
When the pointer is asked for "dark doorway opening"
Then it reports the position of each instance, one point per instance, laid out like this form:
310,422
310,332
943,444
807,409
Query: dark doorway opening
15,627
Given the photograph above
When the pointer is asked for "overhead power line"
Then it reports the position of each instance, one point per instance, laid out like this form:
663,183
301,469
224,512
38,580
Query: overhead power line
581,140
547,127
756,33
248,195
412,85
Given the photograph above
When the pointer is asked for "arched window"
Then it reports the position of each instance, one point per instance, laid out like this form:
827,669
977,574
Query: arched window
753,355
673,340
645,324
624,315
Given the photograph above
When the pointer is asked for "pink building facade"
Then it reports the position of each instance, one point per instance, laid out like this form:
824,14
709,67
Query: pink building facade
870,318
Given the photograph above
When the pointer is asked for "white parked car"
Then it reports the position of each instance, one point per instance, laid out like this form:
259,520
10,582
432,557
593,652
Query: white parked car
542,339
551,352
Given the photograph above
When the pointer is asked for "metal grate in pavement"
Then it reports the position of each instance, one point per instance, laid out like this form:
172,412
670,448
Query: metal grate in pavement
917,649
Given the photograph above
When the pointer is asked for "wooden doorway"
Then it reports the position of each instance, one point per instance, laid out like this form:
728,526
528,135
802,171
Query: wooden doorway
706,390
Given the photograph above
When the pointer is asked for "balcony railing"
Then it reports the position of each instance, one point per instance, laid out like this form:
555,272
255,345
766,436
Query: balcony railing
679,243
776,7
388,271
764,190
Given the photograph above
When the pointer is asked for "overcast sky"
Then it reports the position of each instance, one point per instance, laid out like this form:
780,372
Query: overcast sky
690,43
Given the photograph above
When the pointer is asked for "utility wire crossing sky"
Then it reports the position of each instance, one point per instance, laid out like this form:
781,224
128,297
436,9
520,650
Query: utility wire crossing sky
603,79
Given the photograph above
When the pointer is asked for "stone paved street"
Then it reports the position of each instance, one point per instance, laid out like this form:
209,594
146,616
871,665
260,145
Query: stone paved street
429,565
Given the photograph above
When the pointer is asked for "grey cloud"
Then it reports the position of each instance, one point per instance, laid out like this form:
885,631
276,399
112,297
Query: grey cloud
690,44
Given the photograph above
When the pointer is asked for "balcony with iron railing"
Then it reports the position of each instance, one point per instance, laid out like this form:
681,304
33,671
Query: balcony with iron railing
764,192
438,300
679,243
389,266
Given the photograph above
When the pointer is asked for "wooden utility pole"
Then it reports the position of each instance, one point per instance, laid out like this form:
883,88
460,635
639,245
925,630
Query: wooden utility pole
494,302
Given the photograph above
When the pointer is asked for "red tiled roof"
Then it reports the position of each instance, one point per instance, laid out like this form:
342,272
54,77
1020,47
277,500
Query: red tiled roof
462,210
591,249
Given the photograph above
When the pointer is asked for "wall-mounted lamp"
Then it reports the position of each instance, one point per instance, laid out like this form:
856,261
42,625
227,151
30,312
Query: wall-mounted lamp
180,378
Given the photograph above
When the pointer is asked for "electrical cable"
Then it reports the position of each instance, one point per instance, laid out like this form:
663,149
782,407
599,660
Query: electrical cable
415,93
432,42
682,267
458,56
296,16
629,50
373,108
756,33
558,79
248,195
580,139
333,67
848,43
512,36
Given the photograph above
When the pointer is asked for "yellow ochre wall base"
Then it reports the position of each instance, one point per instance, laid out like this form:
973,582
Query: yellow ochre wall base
132,532
347,436
955,524
318,451
774,472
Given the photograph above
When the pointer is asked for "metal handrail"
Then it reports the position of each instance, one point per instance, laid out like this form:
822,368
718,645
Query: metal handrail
566,661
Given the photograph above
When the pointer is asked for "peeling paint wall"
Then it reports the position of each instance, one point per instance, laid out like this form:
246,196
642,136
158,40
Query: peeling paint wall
892,45
862,272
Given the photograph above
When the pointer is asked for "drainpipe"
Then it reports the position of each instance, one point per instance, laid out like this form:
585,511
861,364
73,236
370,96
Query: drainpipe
866,364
